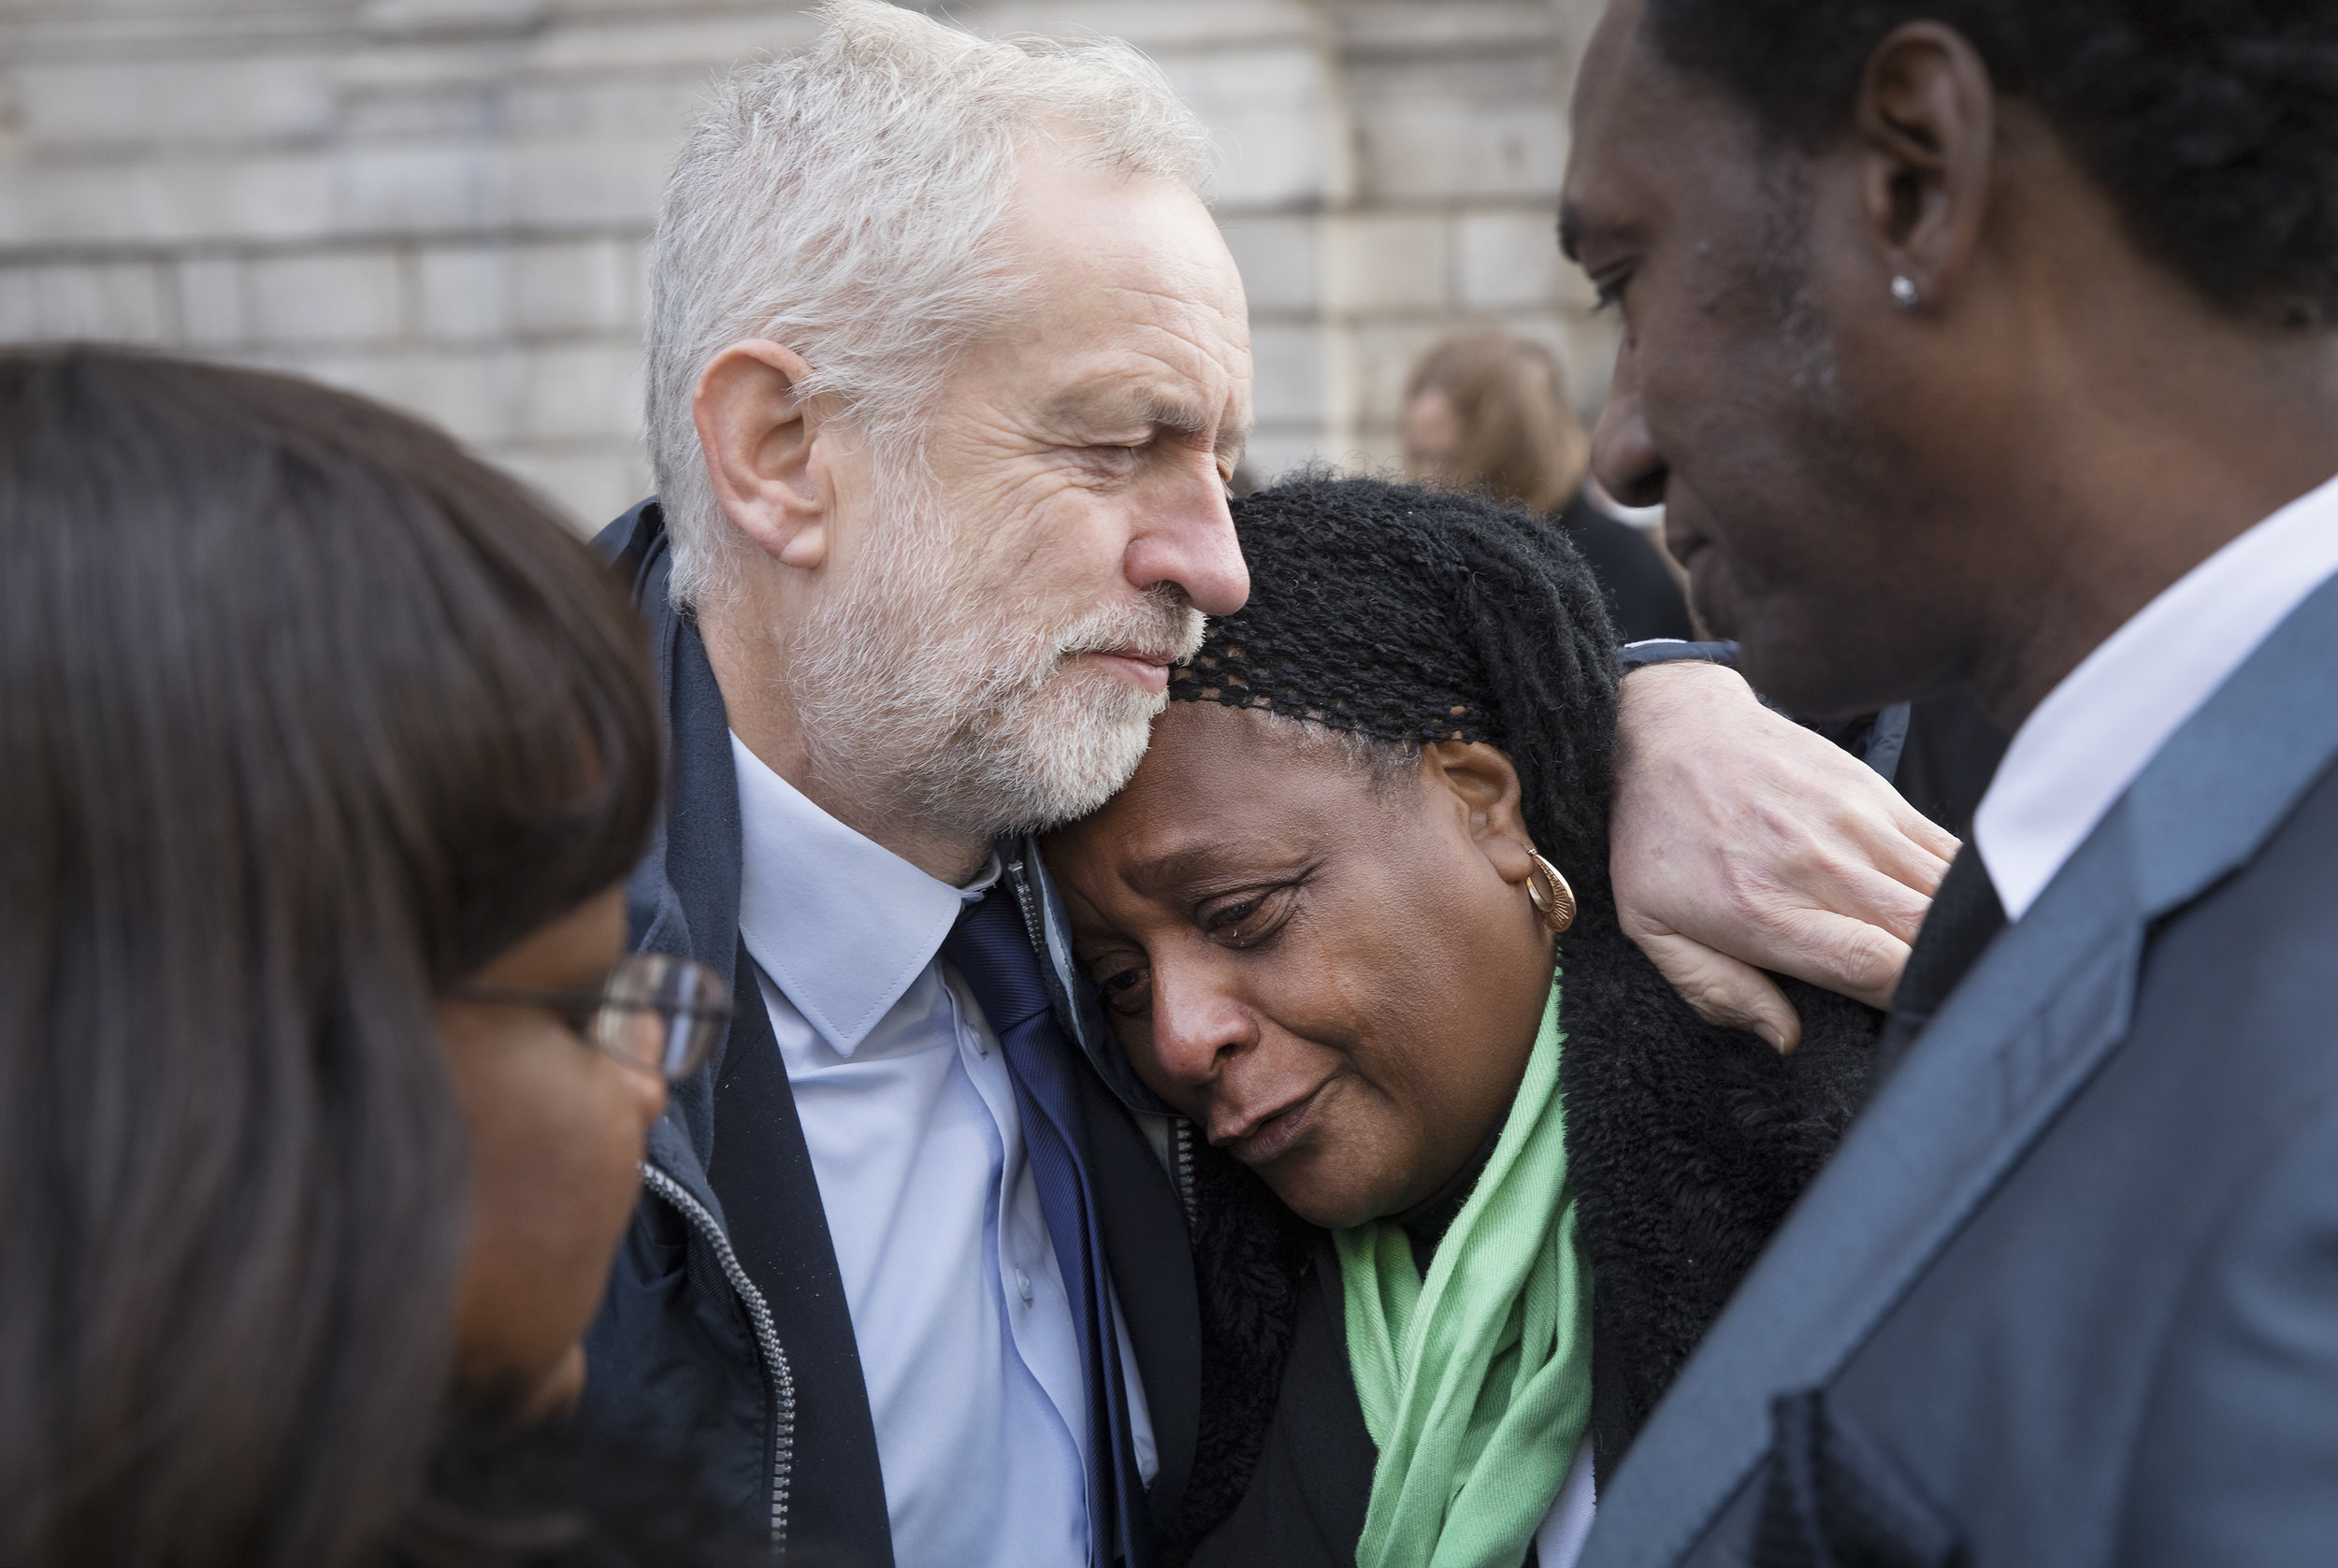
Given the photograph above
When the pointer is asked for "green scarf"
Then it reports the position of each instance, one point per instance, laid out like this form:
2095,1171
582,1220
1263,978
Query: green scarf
1476,1382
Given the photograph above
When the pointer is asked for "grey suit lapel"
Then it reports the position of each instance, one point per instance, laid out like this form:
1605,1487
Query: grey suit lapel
2034,1015
2038,1012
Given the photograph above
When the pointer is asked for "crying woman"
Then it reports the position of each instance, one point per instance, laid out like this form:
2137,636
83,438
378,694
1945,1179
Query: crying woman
1350,921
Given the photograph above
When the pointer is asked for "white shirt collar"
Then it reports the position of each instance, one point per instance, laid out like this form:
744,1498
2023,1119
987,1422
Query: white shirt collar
841,924
2094,733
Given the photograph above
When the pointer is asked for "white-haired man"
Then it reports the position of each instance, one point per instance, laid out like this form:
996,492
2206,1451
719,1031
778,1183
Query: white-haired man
949,371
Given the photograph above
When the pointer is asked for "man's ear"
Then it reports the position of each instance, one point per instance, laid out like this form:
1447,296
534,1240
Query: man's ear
1484,781
762,456
1925,122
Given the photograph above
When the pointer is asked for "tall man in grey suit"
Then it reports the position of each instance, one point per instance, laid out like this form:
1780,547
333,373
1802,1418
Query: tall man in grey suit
1993,340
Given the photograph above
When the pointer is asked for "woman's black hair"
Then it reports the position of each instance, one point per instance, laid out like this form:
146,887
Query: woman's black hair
2213,125
304,714
1408,616
1404,617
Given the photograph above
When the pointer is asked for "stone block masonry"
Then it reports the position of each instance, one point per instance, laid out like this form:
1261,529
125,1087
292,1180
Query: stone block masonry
444,203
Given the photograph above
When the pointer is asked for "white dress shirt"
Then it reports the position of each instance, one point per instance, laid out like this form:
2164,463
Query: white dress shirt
2095,733
959,1309
1559,1540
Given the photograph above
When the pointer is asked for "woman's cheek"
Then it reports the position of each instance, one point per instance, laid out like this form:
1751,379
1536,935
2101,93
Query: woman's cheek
559,1391
608,1145
557,1136
598,1206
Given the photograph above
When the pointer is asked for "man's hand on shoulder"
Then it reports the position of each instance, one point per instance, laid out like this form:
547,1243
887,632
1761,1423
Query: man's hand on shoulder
1741,842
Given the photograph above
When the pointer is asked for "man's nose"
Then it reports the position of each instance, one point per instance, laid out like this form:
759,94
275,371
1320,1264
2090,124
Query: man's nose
1624,455
1187,540
1197,1027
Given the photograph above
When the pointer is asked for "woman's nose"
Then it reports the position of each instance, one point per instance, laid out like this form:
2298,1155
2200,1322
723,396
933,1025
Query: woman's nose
1197,1027
1624,455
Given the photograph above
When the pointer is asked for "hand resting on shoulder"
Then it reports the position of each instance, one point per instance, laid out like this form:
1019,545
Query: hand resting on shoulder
1741,842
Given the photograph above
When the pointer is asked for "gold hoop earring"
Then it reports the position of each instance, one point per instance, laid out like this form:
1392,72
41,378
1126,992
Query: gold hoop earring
1556,904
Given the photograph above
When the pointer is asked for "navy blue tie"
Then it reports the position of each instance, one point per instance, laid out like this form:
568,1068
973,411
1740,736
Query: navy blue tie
993,949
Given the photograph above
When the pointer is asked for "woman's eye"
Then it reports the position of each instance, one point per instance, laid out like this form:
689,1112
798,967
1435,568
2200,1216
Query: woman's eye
1128,992
1251,918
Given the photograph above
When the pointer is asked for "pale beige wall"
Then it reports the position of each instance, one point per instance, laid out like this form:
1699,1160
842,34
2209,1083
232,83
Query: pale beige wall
443,202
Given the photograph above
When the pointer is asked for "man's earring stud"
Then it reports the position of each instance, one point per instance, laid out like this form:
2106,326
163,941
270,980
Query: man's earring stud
1904,292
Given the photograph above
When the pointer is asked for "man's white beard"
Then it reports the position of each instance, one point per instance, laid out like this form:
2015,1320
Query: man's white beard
933,695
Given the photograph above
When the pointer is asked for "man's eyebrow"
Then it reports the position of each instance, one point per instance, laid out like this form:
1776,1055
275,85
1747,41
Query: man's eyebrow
1145,406
1127,405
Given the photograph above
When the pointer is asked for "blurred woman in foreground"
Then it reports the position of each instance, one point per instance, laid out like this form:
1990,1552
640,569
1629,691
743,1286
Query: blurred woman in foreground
322,752
1351,920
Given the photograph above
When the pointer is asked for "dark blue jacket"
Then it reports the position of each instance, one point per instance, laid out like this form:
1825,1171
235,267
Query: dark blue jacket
2067,1294
727,1336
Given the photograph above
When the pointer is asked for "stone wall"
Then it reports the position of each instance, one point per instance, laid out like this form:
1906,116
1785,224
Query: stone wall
443,202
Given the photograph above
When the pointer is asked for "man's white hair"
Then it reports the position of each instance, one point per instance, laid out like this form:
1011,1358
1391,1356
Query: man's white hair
845,202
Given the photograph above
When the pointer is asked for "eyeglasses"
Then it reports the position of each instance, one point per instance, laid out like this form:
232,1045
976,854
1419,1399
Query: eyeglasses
657,1013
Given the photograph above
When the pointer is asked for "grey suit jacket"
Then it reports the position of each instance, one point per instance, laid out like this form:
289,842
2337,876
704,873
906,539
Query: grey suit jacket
2067,1294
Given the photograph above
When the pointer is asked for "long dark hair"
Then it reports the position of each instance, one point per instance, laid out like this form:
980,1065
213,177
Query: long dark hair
304,714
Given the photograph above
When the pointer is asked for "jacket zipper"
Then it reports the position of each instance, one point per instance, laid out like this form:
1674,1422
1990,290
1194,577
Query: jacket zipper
1028,903
1181,1134
775,1366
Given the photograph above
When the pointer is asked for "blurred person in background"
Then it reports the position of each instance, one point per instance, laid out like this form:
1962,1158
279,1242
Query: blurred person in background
1486,409
1996,342
949,372
324,1073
